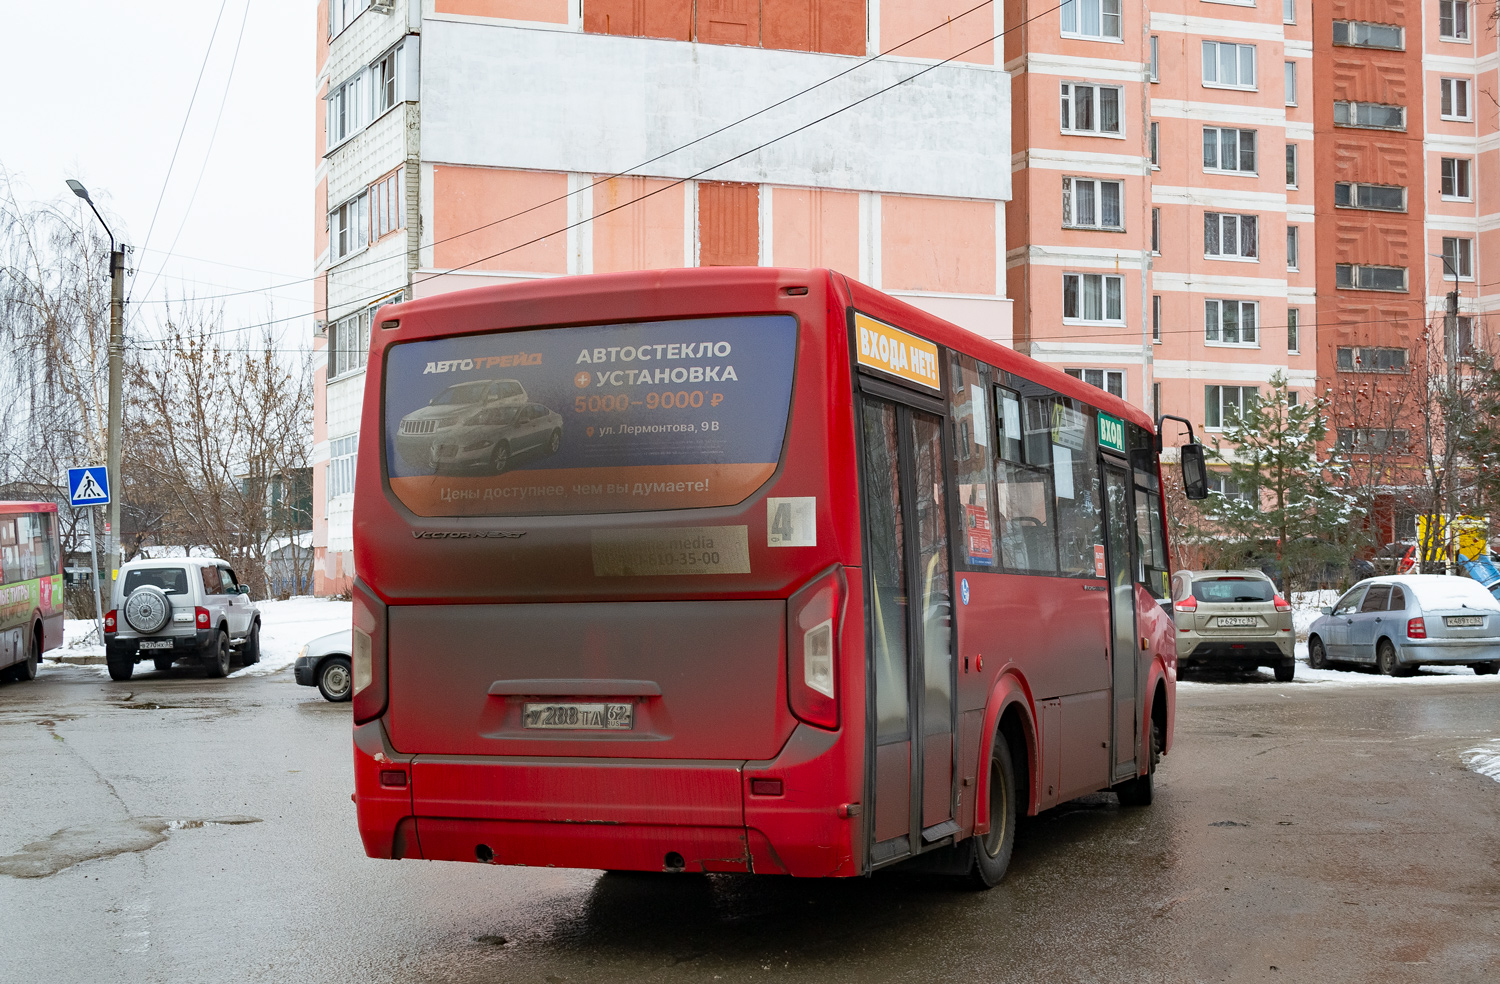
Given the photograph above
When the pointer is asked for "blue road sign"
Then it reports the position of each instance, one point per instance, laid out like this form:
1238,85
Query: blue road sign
88,486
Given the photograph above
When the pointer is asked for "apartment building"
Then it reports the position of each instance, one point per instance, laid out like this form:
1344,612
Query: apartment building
469,142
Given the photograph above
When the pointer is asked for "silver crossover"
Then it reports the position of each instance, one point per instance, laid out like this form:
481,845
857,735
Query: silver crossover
1399,622
1232,619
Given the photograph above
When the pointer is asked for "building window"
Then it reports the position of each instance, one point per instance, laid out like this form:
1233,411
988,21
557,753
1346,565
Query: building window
1456,178
1453,20
1156,318
1093,297
388,77
1370,116
1090,108
342,453
1455,98
386,211
1222,404
1291,165
1227,235
1089,203
1386,198
1362,34
1290,71
341,14
349,343
1292,399
1109,380
1291,247
1458,258
348,106
1293,343
1228,66
1091,19
1155,144
1155,59
1230,322
1353,276
1465,342
1288,11
1228,150
1156,398
349,227
1370,359
1223,485
1156,231
1371,439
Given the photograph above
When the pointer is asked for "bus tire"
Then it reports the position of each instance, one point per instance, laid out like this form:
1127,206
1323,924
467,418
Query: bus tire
121,669
992,850
216,662
1140,791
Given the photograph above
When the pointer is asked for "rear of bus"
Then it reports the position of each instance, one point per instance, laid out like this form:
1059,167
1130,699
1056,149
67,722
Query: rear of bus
605,536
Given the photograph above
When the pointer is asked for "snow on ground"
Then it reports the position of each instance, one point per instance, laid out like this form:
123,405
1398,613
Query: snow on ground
1307,608
1485,759
285,626
1362,675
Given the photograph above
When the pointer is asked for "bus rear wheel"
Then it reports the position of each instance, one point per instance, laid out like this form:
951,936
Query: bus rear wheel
992,850
26,669
1140,791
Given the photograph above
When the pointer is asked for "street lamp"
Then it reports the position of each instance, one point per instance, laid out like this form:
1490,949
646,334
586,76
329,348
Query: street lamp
116,355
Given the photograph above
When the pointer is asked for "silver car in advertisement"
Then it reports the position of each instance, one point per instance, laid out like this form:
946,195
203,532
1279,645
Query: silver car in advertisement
424,429
490,439
1400,622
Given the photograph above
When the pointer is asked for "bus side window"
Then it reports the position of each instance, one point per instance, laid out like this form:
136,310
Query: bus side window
972,450
1026,522
1008,424
1075,478
10,568
1151,545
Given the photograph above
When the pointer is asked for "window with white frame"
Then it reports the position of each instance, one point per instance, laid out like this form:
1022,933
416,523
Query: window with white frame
1291,247
1155,144
1226,235
1230,322
349,227
1090,203
1466,342
1455,178
1453,20
1155,59
1156,231
1228,66
1288,11
1227,149
1091,19
1293,342
1371,438
1090,108
1094,297
1224,485
341,14
342,453
1290,81
349,343
1458,258
1455,98
1223,404
1291,165
1369,116
1384,198
1363,34
387,213
1156,318
1109,380
388,78
1363,276
348,107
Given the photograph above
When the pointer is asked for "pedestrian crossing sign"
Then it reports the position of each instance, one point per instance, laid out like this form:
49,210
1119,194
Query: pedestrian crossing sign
88,486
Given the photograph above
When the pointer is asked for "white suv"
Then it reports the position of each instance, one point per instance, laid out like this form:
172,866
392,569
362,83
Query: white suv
183,608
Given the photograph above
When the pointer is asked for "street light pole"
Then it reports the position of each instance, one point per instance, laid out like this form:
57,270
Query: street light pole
116,370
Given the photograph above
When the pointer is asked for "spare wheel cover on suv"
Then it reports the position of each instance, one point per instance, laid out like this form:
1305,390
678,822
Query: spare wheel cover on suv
147,609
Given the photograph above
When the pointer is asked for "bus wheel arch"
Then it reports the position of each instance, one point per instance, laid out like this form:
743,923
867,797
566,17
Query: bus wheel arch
1008,718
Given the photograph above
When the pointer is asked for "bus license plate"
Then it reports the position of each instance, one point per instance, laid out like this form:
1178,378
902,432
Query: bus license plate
579,717
1458,621
1232,622
156,643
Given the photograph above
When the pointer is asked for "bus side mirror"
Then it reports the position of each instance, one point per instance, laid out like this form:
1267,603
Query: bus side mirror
1194,472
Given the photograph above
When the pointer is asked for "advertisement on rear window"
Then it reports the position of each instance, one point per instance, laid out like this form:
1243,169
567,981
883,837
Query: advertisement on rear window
601,418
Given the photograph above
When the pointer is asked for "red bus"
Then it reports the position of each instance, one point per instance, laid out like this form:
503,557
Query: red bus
31,587
743,570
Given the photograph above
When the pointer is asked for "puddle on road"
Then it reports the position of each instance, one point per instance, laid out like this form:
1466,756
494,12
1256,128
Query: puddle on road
75,845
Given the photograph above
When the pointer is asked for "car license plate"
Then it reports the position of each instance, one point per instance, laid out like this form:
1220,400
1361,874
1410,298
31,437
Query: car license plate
156,643
579,717
1237,622
1459,621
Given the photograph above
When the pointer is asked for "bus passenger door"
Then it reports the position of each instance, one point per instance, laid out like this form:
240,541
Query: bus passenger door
1123,657
910,647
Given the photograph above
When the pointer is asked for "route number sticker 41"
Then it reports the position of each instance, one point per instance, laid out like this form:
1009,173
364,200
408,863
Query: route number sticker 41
792,522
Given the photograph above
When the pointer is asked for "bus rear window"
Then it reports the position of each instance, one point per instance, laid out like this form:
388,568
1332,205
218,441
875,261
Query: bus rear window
588,419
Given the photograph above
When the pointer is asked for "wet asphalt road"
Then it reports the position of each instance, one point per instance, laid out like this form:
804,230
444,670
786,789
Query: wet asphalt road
1319,833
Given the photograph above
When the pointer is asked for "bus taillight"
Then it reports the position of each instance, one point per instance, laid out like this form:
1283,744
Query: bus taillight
815,615
367,657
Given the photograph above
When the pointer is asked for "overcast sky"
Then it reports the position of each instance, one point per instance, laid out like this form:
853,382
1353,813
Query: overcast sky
98,91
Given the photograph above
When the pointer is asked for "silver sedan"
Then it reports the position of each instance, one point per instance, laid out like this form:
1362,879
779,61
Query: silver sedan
1403,621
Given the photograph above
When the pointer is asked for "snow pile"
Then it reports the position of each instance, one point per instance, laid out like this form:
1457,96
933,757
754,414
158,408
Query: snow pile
286,626
1485,759
1307,608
